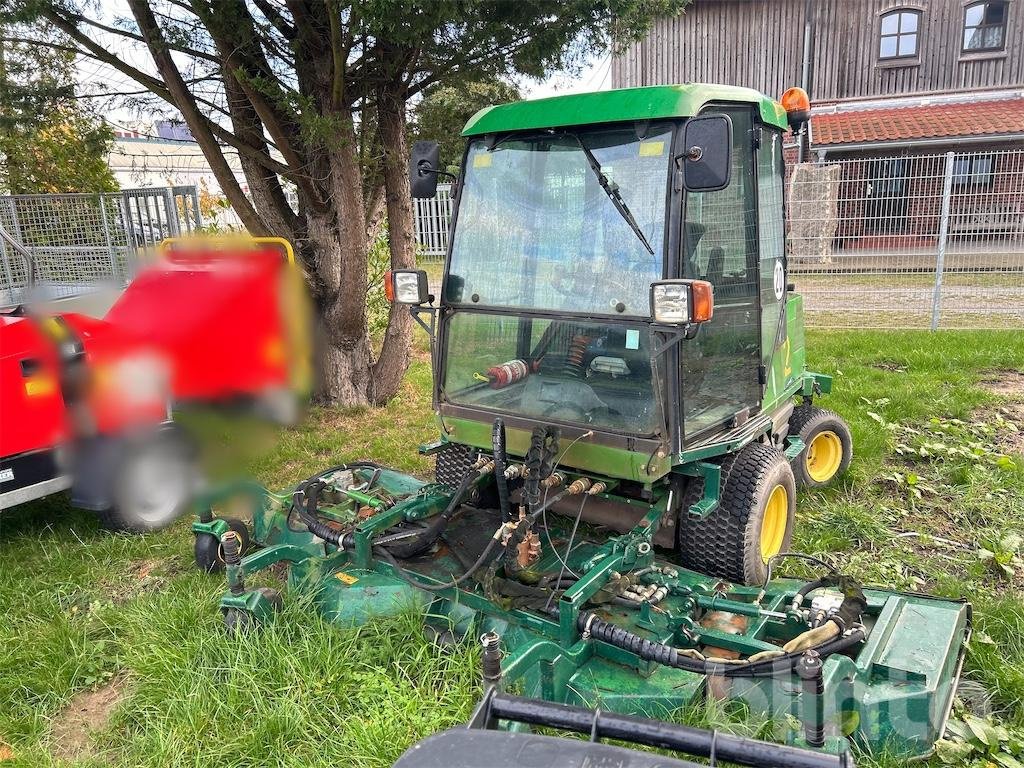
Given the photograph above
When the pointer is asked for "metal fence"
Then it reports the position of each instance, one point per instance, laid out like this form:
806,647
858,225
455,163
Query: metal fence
908,241
55,246
431,218
925,241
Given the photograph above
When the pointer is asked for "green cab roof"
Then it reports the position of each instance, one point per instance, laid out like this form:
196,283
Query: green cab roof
624,104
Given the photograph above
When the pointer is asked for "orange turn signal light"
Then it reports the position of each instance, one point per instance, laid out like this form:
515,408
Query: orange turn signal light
703,301
389,287
796,100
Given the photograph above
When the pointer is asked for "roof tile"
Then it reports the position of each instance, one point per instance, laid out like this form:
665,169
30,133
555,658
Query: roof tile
979,118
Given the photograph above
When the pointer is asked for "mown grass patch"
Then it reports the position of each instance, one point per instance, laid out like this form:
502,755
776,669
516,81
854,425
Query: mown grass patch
83,607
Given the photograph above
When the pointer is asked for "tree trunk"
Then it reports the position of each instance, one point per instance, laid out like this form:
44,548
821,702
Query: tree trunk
335,256
390,367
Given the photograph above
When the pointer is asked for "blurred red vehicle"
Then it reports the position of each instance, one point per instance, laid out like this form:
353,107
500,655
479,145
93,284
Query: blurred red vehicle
85,403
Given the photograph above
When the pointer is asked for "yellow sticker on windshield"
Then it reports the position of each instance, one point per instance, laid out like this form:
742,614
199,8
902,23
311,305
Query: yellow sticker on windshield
652,148
482,161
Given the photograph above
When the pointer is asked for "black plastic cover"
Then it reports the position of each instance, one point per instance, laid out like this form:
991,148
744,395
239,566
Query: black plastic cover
464,748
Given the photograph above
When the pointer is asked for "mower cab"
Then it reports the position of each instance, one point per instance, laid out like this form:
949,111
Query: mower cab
625,417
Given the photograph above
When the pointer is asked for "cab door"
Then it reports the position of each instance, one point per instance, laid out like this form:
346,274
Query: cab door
719,368
772,241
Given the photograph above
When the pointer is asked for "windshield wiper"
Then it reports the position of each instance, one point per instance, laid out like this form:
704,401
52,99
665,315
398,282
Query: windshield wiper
612,190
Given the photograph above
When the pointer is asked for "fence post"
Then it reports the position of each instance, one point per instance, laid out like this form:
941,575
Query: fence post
114,270
171,210
940,255
8,275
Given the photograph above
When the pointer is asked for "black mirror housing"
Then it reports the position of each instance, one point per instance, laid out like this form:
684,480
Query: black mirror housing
707,157
424,165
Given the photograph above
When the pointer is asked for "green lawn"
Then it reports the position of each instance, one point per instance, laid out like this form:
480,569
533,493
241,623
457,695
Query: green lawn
87,611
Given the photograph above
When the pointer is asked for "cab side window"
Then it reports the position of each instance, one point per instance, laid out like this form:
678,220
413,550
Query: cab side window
719,367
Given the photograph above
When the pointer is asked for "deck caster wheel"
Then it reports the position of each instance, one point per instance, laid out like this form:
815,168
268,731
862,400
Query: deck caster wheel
753,520
208,554
237,621
828,446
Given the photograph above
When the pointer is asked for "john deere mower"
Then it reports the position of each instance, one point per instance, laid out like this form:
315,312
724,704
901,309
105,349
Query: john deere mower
625,416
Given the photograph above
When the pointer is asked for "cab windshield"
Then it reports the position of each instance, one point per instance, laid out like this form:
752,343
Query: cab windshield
537,230
591,373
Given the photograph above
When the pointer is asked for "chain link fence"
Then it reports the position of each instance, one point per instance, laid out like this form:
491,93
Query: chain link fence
57,246
910,241
907,241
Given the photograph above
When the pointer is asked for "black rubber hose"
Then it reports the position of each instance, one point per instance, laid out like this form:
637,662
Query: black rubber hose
668,656
311,492
405,549
401,572
806,589
500,461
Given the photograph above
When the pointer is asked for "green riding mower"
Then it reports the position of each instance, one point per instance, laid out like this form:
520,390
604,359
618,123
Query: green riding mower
625,416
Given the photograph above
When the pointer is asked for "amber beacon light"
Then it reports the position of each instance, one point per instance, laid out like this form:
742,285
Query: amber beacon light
797,105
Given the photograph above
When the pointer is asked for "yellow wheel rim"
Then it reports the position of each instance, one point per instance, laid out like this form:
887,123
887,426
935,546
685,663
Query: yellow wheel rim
773,526
824,455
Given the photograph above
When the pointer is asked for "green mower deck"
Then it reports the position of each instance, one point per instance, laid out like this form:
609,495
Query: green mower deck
892,692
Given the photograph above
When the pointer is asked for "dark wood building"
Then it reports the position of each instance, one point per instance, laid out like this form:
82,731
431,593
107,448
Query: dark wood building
858,49
895,86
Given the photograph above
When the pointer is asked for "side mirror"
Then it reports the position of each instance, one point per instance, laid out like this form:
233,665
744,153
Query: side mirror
682,302
407,286
423,169
707,158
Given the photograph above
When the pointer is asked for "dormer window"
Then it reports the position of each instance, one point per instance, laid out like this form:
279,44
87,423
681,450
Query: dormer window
984,26
899,34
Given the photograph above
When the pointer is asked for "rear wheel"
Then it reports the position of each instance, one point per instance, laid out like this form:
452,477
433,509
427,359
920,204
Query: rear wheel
828,446
753,520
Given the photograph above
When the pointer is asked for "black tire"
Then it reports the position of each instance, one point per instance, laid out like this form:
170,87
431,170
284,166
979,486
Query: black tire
151,484
238,622
810,423
209,557
452,462
727,543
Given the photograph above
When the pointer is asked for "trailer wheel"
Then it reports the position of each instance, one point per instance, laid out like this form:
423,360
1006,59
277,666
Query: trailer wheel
828,446
152,483
753,520
209,557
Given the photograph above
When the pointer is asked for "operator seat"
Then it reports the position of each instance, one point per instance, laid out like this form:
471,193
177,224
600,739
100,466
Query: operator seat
716,266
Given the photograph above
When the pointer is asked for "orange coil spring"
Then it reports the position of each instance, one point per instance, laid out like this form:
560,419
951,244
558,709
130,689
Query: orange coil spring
577,351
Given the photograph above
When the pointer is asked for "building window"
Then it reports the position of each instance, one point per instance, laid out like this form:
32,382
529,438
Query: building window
973,170
984,26
899,35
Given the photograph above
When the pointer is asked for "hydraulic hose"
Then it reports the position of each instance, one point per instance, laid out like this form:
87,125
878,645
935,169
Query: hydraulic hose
500,461
649,650
847,617
311,493
423,541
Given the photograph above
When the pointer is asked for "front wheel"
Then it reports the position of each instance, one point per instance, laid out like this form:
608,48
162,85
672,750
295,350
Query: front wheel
828,446
752,523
